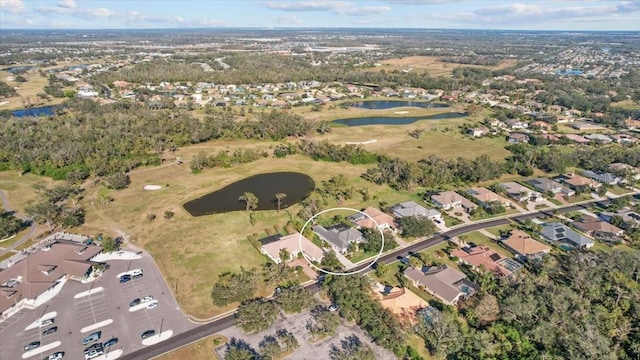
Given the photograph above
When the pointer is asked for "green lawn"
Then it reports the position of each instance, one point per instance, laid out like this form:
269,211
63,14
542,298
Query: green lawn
450,221
580,197
480,239
362,255
417,343
619,190
496,229
6,256
390,277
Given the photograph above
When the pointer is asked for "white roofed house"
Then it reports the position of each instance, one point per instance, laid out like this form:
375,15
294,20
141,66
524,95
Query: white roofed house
446,284
521,193
449,200
293,243
339,236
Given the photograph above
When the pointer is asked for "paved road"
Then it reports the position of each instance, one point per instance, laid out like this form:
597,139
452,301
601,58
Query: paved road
211,328
25,237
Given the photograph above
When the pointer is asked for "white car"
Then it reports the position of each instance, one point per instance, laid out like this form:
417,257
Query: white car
56,356
46,322
151,305
146,299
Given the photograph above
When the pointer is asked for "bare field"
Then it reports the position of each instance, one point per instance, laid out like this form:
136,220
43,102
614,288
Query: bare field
431,64
27,91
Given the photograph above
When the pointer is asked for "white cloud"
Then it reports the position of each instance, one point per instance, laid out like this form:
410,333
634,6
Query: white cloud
68,4
336,7
211,22
288,19
13,6
94,13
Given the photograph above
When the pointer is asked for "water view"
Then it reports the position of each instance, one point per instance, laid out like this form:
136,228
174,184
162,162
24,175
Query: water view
390,104
296,186
37,111
387,120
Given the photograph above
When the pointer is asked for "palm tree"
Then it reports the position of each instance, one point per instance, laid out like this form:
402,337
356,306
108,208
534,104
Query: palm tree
279,197
284,255
250,200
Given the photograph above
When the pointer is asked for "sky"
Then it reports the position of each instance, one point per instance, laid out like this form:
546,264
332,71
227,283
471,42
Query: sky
440,14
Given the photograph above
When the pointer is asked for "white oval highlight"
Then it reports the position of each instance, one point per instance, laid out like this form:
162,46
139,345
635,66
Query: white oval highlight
331,272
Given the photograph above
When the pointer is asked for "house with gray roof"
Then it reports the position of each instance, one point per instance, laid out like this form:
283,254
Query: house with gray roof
339,236
544,185
602,177
559,233
412,208
447,284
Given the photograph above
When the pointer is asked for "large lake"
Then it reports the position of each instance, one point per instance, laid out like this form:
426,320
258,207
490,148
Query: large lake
390,104
297,186
386,120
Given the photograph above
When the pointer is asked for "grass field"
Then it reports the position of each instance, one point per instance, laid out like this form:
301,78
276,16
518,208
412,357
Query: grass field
431,65
627,104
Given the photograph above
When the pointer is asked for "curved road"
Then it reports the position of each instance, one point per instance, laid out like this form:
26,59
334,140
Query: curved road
25,237
216,326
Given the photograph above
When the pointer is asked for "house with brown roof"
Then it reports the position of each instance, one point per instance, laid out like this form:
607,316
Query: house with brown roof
486,197
483,257
447,284
577,138
524,246
447,200
576,182
599,229
293,243
376,219
518,138
44,272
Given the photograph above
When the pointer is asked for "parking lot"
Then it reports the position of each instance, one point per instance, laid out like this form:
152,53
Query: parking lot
103,305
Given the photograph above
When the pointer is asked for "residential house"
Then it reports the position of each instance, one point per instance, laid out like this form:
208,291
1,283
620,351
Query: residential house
483,257
599,138
411,208
375,219
518,138
602,177
515,124
599,229
339,236
486,197
521,193
293,243
576,182
478,131
577,138
586,125
449,200
447,284
624,139
547,185
29,281
559,233
623,169
629,218
524,246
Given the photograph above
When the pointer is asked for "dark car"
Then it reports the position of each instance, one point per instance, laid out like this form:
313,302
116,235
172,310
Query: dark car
110,342
125,278
31,345
148,333
50,330
134,302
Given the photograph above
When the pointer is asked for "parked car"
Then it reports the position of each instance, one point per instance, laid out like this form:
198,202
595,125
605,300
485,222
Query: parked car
56,356
148,333
134,302
147,298
50,330
110,342
125,278
93,351
31,345
333,307
92,337
46,322
136,274
152,304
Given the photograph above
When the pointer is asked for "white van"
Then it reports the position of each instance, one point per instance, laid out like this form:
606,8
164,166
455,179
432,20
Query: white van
136,274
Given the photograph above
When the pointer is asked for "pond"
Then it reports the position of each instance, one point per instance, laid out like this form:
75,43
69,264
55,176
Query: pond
37,111
386,120
390,104
296,186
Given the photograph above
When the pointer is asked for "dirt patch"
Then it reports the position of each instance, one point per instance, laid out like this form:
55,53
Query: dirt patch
432,64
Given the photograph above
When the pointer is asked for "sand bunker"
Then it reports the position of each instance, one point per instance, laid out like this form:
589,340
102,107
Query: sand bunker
152,187
362,142
401,112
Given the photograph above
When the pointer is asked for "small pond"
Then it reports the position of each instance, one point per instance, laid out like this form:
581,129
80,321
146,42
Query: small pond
37,111
297,186
390,104
386,120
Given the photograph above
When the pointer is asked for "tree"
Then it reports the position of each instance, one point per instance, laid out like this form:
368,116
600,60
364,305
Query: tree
330,262
250,200
234,287
58,206
382,269
279,197
323,322
487,310
270,347
256,315
118,181
352,348
168,214
287,339
284,255
10,224
417,226
441,336
240,350
295,299
109,244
